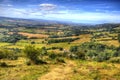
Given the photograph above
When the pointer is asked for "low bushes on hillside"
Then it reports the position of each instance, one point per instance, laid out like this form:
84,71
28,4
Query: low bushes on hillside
115,60
94,51
62,40
8,54
13,38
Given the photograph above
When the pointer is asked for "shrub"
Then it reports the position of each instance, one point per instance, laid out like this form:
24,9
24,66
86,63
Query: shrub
61,60
28,63
43,51
32,53
53,56
32,42
2,54
8,54
115,60
93,51
3,64
102,56
73,49
80,55
61,49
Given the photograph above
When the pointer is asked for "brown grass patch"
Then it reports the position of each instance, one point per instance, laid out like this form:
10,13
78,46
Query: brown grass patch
30,35
83,38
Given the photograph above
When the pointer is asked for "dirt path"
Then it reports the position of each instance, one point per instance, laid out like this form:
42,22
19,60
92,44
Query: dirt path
60,72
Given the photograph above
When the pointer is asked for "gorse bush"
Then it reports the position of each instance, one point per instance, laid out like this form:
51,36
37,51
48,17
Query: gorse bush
32,53
35,55
8,54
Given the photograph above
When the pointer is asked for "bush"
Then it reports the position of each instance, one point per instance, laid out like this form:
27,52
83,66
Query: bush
73,49
61,60
3,64
53,56
2,54
8,54
61,49
115,60
32,42
28,63
43,51
32,53
93,51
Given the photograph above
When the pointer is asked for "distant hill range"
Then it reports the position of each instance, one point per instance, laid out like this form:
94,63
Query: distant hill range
19,22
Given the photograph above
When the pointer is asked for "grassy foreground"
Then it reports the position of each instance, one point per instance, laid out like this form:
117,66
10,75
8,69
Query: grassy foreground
71,70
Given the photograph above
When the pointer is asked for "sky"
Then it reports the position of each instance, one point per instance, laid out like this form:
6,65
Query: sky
78,11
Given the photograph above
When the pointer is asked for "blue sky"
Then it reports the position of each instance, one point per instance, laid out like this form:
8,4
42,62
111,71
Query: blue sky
79,11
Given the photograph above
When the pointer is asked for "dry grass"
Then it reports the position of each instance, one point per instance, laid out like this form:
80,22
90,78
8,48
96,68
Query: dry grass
30,35
83,38
110,43
71,70
18,70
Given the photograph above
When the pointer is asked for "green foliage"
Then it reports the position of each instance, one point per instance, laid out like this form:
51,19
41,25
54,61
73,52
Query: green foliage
13,38
43,51
53,48
93,51
61,60
34,54
117,53
76,53
62,40
73,49
53,56
8,54
115,60
102,56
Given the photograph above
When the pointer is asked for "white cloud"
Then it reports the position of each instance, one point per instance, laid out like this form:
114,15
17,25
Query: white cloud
47,7
6,5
